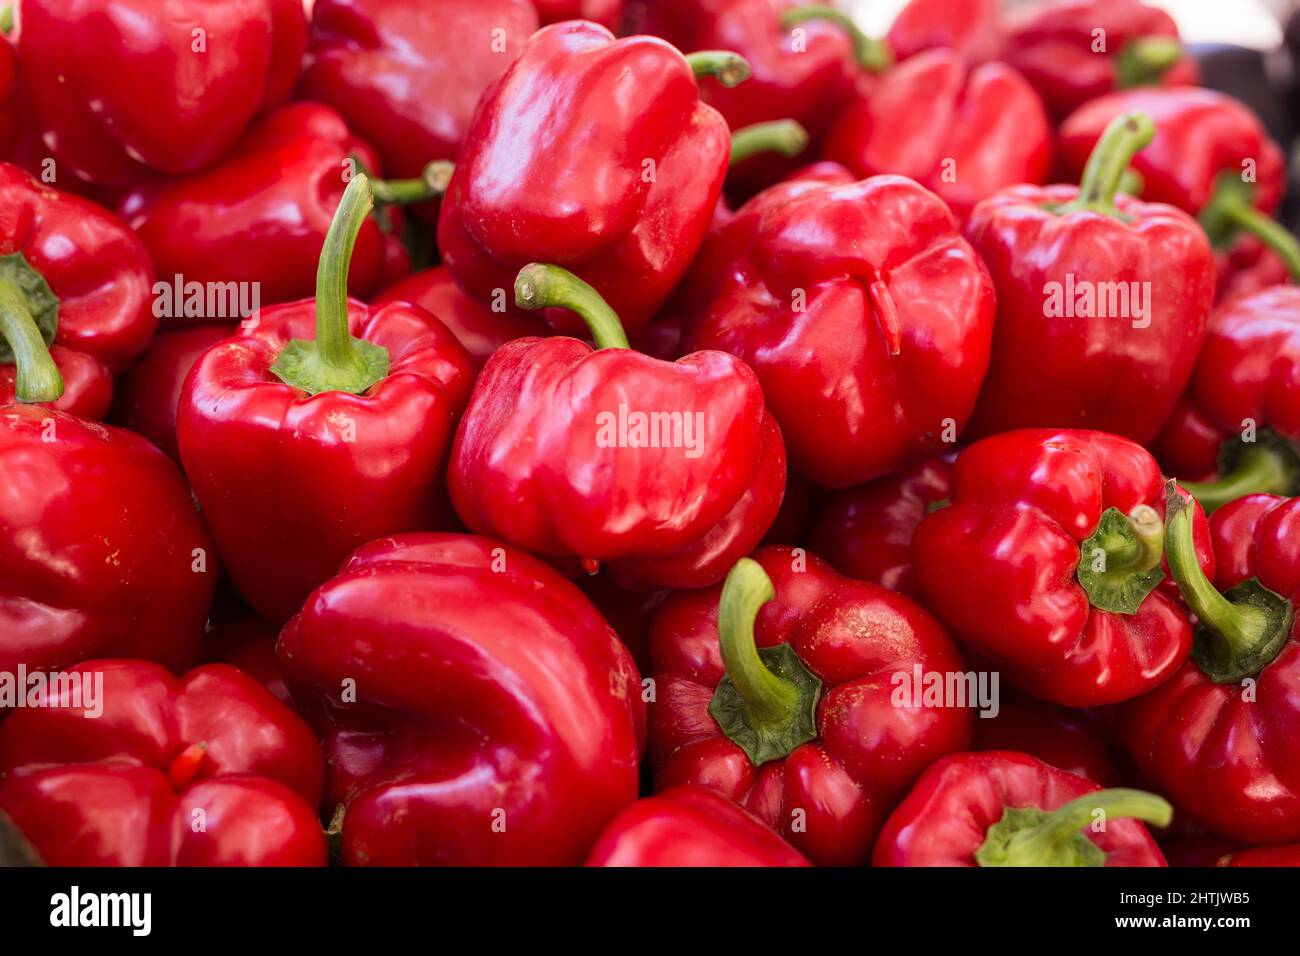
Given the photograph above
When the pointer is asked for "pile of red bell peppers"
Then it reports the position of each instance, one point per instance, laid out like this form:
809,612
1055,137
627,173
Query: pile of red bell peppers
671,433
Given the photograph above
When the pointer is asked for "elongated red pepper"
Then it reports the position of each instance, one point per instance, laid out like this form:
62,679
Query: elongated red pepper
1219,737
300,448
669,471
1073,51
148,393
800,68
596,155
767,704
983,128
75,278
124,565
495,718
1240,417
127,765
254,222
866,532
1047,561
1003,808
120,85
479,327
1103,301
406,75
690,826
865,314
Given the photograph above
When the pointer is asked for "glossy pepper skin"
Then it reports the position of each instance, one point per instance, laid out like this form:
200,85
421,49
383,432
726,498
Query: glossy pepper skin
1047,562
1257,536
261,213
983,128
607,13
478,327
118,86
666,505
207,769
101,551
801,77
1072,348
866,532
299,449
1056,47
467,744
1003,808
1240,417
1219,737
82,277
971,27
150,390
591,153
866,316
690,826
831,740
1288,855
406,75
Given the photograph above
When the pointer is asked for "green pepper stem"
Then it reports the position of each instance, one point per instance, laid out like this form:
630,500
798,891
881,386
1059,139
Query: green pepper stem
1145,60
785,137
1048,840
768,699
540,285
1102,176
1231,206
1260,470
729,69
1132,183
1148,546
1240,626
7,18
872,54
430,184
38,378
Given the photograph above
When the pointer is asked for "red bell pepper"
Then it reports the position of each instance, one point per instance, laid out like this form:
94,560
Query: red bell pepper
1220,736
120,85
1288,855
607,13
690,826
1073,51
1062,738
1103,300
793,710
1210,156
255,221
149,392
1257,536
801,75
971,27
1245,266
203,770
865,314
1241,414
248,643
73,277
668,471
101,551
406,75
866,532
300,448
479,327
494,718
594,154
1047,562
1003,808
983,128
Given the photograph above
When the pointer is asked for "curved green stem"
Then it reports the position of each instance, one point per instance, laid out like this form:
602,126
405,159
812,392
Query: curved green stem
872,54
7,18
1231,211
1132,183
1029,836
785,137
1142,62
335,361
767,698
430,184
38,378
729,69
1260,470
1148,545
1236,638
1119,563
1102,176
540,285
